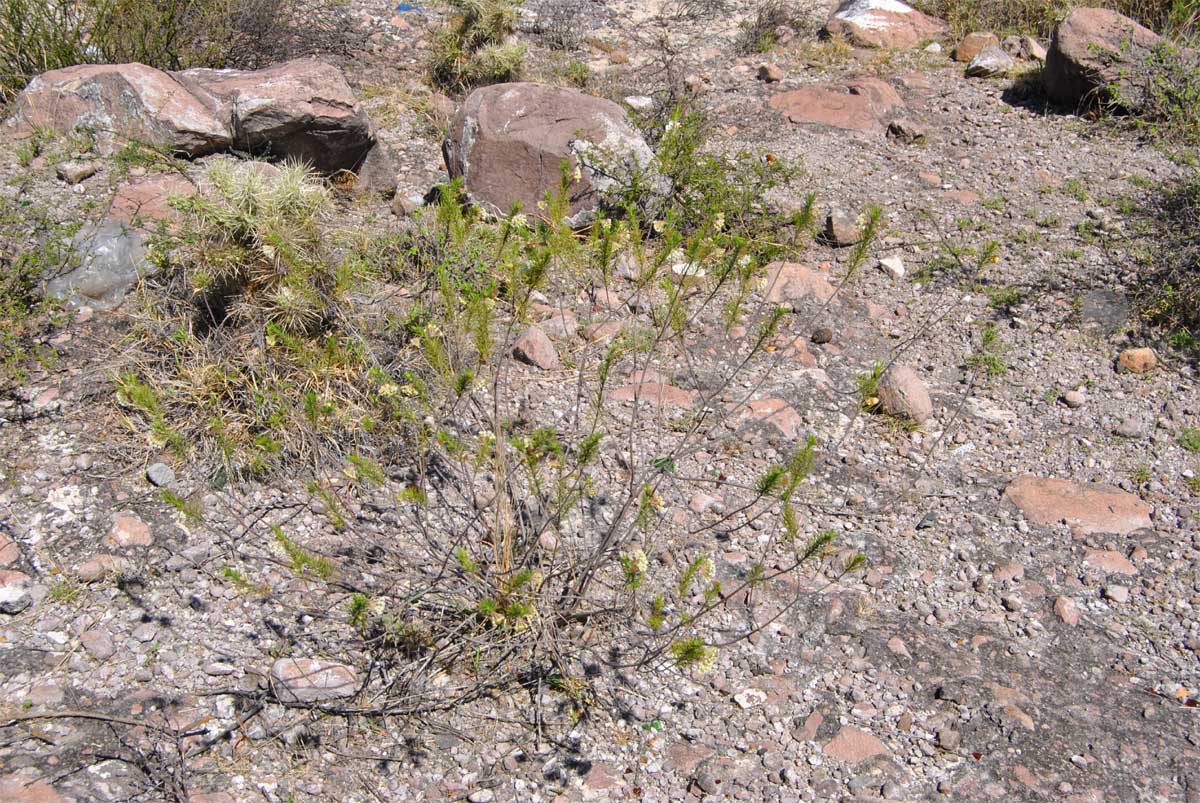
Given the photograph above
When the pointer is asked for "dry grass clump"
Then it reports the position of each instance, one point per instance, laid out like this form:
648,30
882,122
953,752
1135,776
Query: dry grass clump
248,354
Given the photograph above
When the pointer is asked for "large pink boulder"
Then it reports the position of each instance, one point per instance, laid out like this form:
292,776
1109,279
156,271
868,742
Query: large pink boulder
119,103
887,24
301,109
509,142
1099,56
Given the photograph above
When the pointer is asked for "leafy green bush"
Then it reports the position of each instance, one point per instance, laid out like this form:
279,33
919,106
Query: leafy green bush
473,48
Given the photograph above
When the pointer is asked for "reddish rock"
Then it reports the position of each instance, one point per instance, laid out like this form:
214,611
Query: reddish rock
98,643
861,104
121,102
301,109
888,24
808,731
1091,508
508,143
779,414
534,348
128,530
902,393
964,197
100,567
1109,561
27,787
145,202
307,680
853,746
790,281
1067,610
9,551
973,44
1099,56
656,394
601,332
1137,361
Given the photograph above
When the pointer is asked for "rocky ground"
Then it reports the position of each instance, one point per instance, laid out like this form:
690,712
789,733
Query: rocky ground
1028,624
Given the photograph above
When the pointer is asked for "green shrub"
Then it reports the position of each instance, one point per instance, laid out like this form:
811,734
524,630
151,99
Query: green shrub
33,247
473,48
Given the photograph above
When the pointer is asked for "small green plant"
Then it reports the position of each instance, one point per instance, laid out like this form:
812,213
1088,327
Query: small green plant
64,591
1141,475
1074,188
302,561
867,386
1005,298
1189,439
989,356
472,48
578,74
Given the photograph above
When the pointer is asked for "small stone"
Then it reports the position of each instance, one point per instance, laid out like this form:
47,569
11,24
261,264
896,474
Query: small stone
98,643
1109,561
973,44
160,475
534,348
481,796
219,669
842,228
15,593
1074,399
100,567
1137,361
1115,593
892,266
1067,610
707,783
949,739
128,530
750,698
852,746
145,633
991,62
9,551
903,394
771,73
307,680
74,171
702,503
906,131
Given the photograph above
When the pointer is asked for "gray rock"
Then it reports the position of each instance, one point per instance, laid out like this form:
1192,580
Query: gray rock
991,61
509,141
15,590
108,260
307,680
160,475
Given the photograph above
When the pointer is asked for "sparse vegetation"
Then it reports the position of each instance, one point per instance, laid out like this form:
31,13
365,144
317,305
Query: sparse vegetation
32,247
1039,17
760,34
473,48
41,35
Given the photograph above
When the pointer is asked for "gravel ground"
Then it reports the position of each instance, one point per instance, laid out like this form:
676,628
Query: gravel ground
989,651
